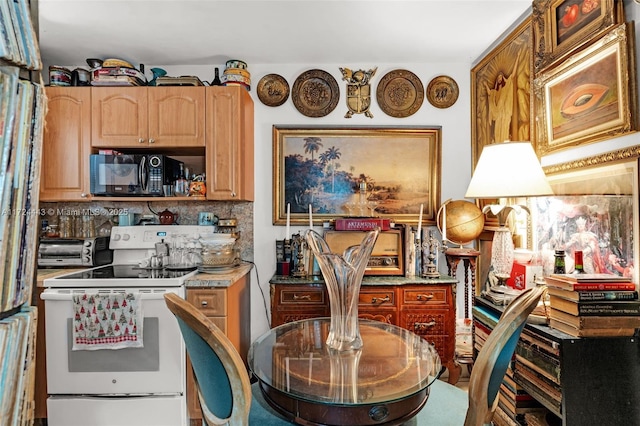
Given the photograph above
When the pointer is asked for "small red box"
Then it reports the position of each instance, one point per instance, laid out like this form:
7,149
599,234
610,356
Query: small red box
523,275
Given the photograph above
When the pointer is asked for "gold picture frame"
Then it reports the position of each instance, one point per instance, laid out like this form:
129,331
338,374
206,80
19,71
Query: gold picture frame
501,101
604,194
386,172
561,26
589,97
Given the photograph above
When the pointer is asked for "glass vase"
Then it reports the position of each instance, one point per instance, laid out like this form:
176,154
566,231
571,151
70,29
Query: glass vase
343,278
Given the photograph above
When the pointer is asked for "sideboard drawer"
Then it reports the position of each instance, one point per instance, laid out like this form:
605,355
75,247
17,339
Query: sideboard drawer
383,297
431,322
426,295
302,296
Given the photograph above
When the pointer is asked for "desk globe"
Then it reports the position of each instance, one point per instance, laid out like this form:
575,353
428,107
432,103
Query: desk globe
464,221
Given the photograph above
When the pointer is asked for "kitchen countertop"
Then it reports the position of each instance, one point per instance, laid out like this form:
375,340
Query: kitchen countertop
223,279
201,279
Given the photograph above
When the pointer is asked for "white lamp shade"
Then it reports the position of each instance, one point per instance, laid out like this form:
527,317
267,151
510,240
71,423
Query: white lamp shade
509,169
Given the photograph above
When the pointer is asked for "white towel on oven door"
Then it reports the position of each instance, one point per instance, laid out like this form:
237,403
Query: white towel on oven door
107,321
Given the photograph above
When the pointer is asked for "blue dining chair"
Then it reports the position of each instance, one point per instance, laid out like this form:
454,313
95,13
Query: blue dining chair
222,380
450,406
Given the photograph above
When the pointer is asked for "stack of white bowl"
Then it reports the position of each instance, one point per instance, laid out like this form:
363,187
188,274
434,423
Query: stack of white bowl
236,74
218,250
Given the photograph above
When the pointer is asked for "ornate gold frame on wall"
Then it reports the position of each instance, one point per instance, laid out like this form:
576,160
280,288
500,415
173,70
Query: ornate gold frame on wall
325,165
612,106
509,62
548,48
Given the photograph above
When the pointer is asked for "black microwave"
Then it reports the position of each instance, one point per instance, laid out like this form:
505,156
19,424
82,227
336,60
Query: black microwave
132,174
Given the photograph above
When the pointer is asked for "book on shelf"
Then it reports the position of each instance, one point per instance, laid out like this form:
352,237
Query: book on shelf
362,224
585,295
596,283
596,321
595,308
592,332
591,278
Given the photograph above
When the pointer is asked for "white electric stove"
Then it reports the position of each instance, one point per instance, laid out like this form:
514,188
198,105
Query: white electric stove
120,387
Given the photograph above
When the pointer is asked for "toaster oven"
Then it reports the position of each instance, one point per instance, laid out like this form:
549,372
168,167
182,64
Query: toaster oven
70,252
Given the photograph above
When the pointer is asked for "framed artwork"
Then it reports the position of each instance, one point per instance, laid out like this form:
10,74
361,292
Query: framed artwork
589,97
501,104
561,26
356,171
595,210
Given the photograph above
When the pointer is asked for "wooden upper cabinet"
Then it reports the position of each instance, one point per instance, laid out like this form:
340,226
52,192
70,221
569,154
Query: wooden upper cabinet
229,143
144,117
64,173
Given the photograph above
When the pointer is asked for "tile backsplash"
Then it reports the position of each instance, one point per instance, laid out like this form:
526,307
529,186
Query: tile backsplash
187,214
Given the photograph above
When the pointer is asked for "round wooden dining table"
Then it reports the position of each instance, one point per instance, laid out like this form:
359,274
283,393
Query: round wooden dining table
386,382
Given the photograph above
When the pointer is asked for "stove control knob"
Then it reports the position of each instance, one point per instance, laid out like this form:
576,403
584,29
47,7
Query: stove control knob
116,237
87,251
126,237
86,260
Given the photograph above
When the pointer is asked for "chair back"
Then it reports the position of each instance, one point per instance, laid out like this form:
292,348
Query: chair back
494,357
222,381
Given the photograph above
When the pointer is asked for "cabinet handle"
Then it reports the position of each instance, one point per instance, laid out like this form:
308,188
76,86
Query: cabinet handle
141,140
425,296
381,300
83,195
152,140
303,297
204,303
421,326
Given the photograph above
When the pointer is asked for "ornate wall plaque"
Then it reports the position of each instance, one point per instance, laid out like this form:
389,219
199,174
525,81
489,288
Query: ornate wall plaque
315,93
358,91
400,93
442,91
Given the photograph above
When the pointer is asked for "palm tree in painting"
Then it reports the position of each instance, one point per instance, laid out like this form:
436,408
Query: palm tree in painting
312,145
333,154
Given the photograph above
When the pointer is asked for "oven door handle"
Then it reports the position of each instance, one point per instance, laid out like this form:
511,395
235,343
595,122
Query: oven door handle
54,295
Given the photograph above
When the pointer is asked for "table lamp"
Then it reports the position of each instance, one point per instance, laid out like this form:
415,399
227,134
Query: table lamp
506,170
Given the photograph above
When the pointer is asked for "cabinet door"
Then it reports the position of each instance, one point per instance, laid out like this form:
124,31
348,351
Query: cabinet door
64,174
119,117
176,116
229,144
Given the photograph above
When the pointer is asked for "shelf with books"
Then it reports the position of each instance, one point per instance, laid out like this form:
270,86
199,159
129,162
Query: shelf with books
561,371
22,106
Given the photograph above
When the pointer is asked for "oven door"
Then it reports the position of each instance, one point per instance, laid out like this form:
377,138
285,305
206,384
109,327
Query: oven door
157,368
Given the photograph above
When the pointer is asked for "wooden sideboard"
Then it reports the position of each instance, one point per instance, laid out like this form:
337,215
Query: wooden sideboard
425,306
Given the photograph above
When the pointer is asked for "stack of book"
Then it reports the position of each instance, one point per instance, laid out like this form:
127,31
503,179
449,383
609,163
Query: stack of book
593,305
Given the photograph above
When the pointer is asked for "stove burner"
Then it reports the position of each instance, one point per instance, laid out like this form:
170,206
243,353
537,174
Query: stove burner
127,271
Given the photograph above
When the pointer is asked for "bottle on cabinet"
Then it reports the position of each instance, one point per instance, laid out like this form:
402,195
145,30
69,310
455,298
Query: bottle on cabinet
216,79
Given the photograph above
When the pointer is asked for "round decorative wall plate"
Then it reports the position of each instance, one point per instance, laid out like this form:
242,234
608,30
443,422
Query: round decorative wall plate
442,91
400,93
273,90
315,93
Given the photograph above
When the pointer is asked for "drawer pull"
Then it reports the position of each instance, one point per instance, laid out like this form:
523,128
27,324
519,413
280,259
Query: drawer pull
424,296
421,326
381,300
303,297
204,303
